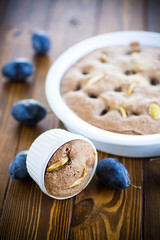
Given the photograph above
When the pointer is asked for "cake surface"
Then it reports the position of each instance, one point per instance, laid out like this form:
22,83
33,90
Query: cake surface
77,160
116,89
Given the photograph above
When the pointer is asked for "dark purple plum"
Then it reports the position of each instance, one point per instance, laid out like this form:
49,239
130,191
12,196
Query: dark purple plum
113,174
28,111
18,69
17,168
41,42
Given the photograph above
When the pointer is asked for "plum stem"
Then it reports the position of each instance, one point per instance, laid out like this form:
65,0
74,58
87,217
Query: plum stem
137,187
154,159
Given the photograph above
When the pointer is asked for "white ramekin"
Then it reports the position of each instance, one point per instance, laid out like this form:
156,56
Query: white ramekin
114,143
43,148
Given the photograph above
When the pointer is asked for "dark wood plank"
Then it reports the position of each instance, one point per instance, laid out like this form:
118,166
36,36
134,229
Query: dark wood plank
153,19
28,213
151,190
12,46
103,213
47,215
16,42
100,213
67,23
122,15
151,200
31,220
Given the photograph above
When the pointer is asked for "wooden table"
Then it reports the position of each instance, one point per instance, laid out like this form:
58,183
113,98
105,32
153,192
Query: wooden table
97,212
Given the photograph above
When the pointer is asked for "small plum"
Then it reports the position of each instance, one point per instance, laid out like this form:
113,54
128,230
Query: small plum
41,42
28,111
18,69
17,168
113,174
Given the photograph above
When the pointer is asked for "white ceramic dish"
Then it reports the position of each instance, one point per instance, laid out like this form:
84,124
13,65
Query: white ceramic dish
114,143
43,148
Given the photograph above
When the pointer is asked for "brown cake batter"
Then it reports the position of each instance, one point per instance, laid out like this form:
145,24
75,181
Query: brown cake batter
78,158
116,89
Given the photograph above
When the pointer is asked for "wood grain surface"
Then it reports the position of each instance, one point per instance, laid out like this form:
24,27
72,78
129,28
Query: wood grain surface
97,212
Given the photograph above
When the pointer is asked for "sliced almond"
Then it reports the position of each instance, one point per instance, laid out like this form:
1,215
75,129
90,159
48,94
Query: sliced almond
58,164
104,58
94,153
134,44
139,63
122,111
95,78
135,47
154,110
79,180
130,89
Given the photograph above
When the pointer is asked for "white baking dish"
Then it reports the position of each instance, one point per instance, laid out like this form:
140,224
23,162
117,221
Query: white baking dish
114,143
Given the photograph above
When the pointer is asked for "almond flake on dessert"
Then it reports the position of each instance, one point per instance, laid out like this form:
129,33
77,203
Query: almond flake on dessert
95,78
58,164
154,110
122,111
79,180
131,88
104,58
